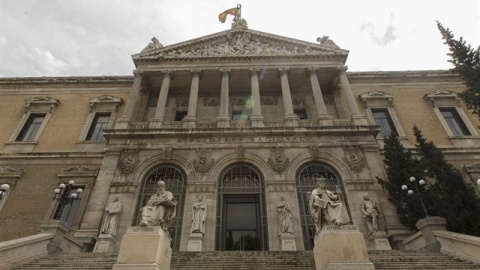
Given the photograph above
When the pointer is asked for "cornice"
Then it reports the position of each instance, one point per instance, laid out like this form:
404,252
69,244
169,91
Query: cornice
63,80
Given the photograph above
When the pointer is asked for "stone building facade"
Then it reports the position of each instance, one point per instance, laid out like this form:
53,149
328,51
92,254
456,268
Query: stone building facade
239,117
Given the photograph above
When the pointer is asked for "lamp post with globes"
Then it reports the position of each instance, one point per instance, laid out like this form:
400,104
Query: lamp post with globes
3,189
410,192
63,197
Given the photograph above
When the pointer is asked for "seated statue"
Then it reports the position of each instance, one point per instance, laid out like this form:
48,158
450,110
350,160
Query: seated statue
160,209
327,207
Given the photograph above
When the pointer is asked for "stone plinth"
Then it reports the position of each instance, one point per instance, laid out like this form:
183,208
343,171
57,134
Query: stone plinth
195,242
105,244
341,247
380,241
287,242
427,226
144,248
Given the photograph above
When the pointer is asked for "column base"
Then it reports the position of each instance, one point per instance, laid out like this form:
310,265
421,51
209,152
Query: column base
257,121
325,120
380,241
189,122
291,120
359,120
195,242
287,242
223,122
144,248
341,247
155,123
123,123
105,244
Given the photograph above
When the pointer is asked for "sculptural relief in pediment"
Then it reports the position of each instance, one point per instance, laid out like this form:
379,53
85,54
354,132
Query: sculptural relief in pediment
243,43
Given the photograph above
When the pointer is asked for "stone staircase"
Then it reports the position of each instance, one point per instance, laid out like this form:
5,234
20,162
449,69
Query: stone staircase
264,260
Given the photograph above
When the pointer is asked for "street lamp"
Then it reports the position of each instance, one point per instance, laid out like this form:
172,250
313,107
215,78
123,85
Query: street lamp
478,182
63,197
419,193
3,189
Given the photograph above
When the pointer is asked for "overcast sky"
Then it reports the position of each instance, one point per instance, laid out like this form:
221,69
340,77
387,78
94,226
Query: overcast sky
98,37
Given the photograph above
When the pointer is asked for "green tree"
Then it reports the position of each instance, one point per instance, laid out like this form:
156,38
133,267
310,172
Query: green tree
457,200
448,195
466,61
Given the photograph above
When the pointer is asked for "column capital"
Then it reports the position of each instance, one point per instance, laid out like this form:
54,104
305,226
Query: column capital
342,69
254,71
312,70
138,73
196,73
167,73
283,70
225,72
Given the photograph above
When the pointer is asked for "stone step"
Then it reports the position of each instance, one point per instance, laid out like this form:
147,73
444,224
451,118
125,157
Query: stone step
265,260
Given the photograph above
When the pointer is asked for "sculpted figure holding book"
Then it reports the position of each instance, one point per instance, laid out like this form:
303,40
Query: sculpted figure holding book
160,209
327,207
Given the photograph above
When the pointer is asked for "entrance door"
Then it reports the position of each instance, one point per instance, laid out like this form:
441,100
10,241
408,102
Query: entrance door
241,222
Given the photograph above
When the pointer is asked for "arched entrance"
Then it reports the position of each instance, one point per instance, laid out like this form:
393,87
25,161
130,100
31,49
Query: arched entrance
306,179
175,182
241,214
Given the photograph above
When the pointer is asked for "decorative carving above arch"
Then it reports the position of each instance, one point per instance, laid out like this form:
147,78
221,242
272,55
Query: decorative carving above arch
203,162
278,161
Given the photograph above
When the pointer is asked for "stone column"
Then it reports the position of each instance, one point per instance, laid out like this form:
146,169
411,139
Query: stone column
323,117
223,119
357,117
132,100
291,120
156,121
256,117
191,119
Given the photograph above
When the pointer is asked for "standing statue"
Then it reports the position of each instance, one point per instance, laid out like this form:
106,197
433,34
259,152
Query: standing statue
285,223
110,223
371,212
199,214
160,209
327,207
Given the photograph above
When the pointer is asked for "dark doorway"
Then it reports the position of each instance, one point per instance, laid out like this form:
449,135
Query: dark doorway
242,222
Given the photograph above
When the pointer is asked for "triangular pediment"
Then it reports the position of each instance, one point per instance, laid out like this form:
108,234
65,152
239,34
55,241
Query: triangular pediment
239,43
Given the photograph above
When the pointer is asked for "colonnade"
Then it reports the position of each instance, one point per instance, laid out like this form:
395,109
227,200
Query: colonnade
223,118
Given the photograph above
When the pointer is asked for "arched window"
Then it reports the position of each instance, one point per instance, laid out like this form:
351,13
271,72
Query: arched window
306,182
241,214
175,182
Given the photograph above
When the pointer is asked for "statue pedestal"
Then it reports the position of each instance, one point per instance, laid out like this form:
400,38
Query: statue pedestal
144,248
195,242
287,242
380,241
427,226
341,248
105,244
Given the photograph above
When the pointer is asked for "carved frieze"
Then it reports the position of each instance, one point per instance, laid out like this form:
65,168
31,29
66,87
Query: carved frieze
79,168
297,100
128,162
354,159
7,172
278,160
203,162
472,168
45,103
167,152
182,101
268,100
211,101
238,101
103,100
241,152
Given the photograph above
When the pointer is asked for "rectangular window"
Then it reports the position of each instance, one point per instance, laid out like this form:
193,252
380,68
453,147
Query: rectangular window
99,123
302,114
179,115
383,119
454,122
240,115
31,127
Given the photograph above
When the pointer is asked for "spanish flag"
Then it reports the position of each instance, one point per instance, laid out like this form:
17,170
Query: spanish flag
233,11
